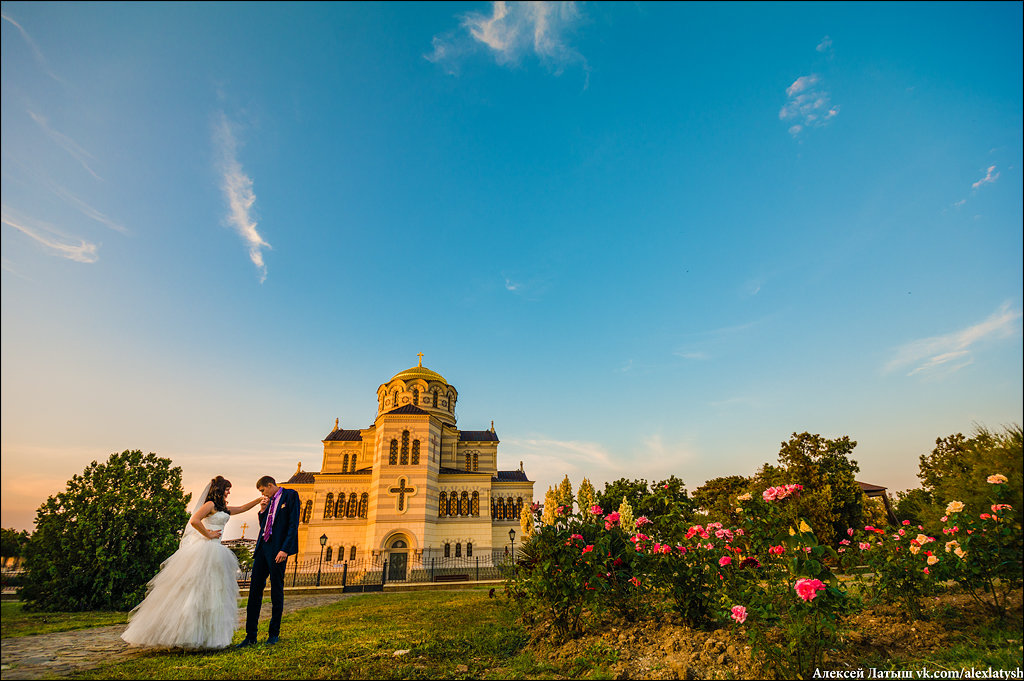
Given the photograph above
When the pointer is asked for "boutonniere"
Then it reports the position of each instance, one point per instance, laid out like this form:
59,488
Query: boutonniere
283,504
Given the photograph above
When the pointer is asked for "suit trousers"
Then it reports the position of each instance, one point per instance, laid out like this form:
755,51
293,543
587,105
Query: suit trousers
264,566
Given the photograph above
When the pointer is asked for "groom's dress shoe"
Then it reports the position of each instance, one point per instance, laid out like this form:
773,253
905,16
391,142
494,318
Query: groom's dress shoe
271,640
246,643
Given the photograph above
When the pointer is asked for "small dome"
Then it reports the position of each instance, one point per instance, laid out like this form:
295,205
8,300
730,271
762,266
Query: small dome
419,372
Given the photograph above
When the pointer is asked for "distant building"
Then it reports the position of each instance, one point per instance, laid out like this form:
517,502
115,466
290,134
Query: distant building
411,482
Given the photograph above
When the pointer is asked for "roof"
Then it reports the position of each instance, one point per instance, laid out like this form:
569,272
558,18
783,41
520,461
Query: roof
342,435
419,372
408,409
872,490
477,436
510,476
301,478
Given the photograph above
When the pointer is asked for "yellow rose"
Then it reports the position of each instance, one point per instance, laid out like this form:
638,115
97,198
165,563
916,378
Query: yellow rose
996,479
922,539
743,497
932,560
914,548
960,553
955,507
950,545
804,527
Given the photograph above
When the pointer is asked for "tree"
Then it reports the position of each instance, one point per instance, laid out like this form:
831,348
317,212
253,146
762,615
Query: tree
832,500
957,469
244,556
586,496
99,542
717,497
632,490
563,494
12,543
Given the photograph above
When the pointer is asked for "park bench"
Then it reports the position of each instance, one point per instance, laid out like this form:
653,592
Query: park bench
243,584
451,578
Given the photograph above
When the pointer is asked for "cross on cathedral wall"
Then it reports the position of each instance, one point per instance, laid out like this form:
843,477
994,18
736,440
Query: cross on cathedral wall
401,491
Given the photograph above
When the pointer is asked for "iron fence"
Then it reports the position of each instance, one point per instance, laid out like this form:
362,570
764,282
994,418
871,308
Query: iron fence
373,572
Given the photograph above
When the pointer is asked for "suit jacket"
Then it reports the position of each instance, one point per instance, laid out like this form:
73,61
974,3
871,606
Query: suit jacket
284,535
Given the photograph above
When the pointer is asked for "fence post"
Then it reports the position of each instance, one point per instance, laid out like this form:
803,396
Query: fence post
295,572
478,569
344,576
384,574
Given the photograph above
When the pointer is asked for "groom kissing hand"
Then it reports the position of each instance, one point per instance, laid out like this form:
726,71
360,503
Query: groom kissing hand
278,539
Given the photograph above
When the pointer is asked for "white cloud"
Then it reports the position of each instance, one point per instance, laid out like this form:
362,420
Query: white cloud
511,285
238,191
66,143
952,351
86,209
48,237
808,105
959,203
35,48
825,45
692,354
988,179
510,32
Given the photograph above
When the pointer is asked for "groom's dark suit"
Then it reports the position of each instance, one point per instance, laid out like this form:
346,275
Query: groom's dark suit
284,536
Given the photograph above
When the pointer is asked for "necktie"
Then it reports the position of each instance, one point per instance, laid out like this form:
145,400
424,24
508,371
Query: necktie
270,516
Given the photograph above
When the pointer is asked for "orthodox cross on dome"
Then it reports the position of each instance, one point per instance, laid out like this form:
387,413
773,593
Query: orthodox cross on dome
401,491
420,355
244,525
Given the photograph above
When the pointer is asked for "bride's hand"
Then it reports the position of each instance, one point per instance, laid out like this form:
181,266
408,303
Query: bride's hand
215,534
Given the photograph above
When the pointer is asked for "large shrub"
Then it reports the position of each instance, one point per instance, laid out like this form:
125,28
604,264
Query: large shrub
98,543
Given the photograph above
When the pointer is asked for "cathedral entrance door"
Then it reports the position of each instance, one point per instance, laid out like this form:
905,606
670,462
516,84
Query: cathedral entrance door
397,561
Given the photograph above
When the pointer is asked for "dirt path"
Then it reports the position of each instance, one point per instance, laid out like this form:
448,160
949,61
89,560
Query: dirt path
47,656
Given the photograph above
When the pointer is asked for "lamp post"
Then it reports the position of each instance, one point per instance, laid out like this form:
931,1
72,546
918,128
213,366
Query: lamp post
323,543
512,538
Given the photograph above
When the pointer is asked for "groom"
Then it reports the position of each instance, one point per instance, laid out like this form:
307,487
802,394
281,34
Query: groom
279,538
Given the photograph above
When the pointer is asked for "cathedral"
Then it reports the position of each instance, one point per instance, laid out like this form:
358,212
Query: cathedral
412,484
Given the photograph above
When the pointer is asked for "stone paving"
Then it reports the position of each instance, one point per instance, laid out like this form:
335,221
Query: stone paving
48,656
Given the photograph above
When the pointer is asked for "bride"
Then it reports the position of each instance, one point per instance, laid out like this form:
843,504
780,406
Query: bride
193,601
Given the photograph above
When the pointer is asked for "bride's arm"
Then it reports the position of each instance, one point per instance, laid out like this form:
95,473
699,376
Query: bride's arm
196,521
244,507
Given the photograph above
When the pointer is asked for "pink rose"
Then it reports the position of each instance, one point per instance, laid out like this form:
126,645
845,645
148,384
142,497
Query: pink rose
739,614
906,522
808,589
588,548
595,510
634,581
724,560
777,550
769,494
641,521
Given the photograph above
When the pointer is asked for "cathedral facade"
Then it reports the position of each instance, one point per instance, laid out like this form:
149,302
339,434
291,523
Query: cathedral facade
412,484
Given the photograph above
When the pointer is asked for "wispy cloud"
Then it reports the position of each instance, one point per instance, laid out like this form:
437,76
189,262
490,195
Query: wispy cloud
238,191
66,143
511,285
990,177
86,209
952,351
512,31
808,105
825,45
692,354
40,59
50,239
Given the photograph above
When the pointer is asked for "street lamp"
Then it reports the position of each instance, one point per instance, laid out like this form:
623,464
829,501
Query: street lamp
512,538
323,543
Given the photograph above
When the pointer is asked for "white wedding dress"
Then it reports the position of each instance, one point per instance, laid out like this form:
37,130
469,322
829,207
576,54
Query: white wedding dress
193,601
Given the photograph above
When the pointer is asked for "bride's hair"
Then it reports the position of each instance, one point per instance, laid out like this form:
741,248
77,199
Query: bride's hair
217,488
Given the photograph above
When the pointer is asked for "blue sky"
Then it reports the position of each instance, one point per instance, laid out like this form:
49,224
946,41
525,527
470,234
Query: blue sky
644,239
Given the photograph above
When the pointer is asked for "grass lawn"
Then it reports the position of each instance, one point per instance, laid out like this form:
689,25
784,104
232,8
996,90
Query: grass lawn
16,622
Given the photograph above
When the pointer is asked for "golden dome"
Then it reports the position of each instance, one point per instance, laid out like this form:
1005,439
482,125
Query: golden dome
419,372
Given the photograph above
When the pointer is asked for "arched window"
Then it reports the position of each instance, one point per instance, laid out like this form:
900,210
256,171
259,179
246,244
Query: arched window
353,505
453,504
394,401
510,509
353,469
307,513
442,505
501,509
344,466
469,550
329,505
435,398
393,457
447,550
339,507
476,461
327,557
464,504
493,509
458,549
451,402
415,452
519,507
352,553
364,507
405,448
416,396
469,462
475,504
